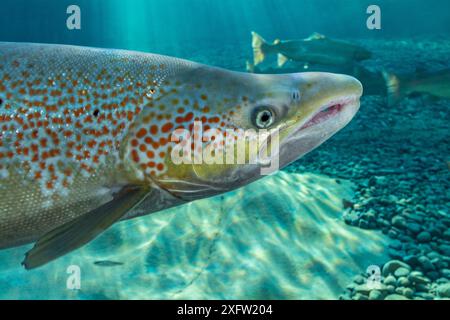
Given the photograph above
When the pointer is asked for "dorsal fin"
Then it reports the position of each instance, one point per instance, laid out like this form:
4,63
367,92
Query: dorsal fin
316,36
250,67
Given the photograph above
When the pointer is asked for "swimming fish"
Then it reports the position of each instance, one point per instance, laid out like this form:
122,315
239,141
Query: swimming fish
108,263
86,135
315,49
436,84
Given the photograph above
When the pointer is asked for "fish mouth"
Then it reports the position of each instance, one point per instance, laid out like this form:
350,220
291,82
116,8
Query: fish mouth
330,111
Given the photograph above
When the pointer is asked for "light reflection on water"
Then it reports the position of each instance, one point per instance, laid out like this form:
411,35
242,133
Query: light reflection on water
279,238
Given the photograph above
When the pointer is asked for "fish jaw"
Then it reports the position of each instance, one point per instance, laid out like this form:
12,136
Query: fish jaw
328,108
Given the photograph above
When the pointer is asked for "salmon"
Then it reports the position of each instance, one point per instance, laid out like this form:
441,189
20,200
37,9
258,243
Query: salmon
436,84
316,49
87,135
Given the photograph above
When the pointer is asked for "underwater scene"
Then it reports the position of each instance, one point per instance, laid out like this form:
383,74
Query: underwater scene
239,149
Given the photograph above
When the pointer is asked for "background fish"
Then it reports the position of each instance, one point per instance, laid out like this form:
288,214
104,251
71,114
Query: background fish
314,49
373,82
108,263
436,84
85,135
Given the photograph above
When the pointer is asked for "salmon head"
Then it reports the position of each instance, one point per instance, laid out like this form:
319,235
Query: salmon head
93,136
208,130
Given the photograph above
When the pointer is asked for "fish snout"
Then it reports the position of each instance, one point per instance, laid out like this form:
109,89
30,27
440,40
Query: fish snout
321,91
328,103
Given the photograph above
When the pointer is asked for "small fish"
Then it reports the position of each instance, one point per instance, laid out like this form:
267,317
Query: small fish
436,84
108,263
316,49
85,135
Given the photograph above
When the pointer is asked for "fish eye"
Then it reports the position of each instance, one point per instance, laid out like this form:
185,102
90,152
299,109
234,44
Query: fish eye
263,117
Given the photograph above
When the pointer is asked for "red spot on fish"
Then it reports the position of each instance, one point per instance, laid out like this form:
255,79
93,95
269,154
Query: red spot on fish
135,156
134,142
141,133
167,127
153,129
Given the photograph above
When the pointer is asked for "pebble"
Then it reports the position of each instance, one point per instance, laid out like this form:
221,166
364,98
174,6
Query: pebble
408,292
433,275
445,249
396,297
413,227
375,295
403,282
426,296
392,234
441,280
446,235
418,278
433,255
399,222
391,266
359,279
390,288
396,254
445,273
401,272
390,280
415,217
422,287
412,260
360,296
426,263
363,224
395,244
443,290
424,236
365,289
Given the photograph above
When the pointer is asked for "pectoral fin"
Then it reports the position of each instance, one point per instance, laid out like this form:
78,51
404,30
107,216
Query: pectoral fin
282,59
250,67
83,229
393,86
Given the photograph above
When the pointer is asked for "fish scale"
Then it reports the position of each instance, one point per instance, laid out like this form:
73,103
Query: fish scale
74,105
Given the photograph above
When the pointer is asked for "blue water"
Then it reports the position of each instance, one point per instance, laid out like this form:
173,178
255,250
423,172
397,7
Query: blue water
197,24
290,237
